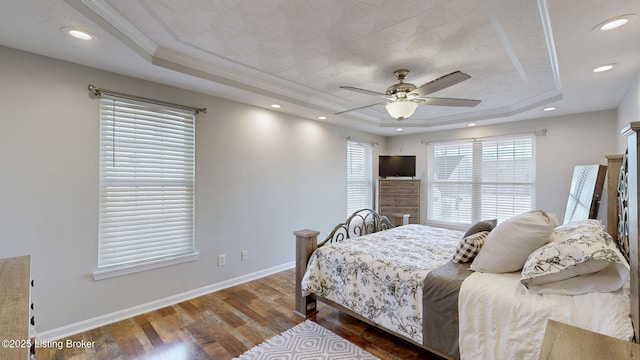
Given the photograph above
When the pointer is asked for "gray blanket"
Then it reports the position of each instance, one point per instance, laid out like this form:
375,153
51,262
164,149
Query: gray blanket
440,307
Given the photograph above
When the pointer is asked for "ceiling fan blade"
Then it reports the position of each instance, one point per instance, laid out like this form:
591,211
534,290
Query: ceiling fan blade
440,83
358,108
449,102
364,91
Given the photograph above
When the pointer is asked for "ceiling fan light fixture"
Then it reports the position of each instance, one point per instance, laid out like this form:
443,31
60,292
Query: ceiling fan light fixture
404,97
401,109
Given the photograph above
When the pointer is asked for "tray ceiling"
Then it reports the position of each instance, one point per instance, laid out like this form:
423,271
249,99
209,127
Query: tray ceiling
521,55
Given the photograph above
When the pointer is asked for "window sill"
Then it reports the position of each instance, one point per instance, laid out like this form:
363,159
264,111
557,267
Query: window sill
149,265
448,225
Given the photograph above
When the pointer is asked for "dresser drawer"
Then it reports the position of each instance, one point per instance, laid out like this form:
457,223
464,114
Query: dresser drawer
400,186
399,200
395,218
388,210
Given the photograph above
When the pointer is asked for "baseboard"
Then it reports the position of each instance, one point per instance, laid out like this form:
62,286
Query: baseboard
85,325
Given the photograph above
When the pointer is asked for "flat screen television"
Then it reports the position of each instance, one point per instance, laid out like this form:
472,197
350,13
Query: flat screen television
396,166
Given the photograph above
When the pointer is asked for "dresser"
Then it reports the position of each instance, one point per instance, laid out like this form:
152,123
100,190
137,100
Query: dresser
562,341
399,196
15,309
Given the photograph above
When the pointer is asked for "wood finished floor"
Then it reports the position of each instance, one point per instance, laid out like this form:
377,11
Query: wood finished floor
223,325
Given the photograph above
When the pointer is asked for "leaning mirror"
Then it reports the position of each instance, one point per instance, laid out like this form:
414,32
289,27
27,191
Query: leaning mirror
585,192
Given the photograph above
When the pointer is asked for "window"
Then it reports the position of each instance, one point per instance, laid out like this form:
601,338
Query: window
359,176
147,181
479,179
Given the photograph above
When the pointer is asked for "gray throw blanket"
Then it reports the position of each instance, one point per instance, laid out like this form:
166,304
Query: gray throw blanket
440,307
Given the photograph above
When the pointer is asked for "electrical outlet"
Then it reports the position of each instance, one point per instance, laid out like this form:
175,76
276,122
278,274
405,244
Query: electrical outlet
244,254
221,260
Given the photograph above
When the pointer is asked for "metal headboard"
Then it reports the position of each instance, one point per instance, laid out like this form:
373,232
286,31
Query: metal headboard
623,207
361,222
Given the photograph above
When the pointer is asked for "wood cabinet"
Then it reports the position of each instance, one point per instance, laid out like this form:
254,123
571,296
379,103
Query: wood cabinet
15,308
562,341
399,196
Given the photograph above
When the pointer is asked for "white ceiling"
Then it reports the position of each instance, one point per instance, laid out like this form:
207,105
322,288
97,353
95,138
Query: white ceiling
522,55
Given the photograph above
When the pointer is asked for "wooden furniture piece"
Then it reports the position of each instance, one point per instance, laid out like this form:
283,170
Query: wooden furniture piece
562,341
399,219
628,222
614,163
306,244
399,196
15,309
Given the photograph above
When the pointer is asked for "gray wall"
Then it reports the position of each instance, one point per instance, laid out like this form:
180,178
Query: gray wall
570,140
260,175
629,110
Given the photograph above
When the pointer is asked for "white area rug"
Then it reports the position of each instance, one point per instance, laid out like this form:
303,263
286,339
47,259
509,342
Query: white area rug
306,341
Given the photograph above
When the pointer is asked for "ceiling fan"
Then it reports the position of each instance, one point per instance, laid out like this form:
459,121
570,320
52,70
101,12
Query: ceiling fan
404,98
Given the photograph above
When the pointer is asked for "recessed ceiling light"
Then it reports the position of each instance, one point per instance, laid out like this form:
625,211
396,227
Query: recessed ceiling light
78,34
550,108
603,68
322,118
615,22
471,124
276,106
399,129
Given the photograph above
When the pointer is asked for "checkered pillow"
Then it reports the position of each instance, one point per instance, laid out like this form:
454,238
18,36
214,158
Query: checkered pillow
469,247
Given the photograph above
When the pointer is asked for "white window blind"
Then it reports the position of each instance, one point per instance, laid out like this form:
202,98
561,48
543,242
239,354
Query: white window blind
473,180
359,176
147,181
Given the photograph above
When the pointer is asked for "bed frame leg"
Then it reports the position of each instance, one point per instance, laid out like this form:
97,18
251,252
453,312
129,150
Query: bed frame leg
306,244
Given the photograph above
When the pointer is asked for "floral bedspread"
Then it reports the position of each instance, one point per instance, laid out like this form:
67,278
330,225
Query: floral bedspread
380,275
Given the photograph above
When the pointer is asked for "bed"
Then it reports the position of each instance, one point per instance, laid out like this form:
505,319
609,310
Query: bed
481,314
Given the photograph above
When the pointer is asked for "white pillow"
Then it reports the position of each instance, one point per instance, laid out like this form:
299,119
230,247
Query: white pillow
575,229
582,258
508,246
609,279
